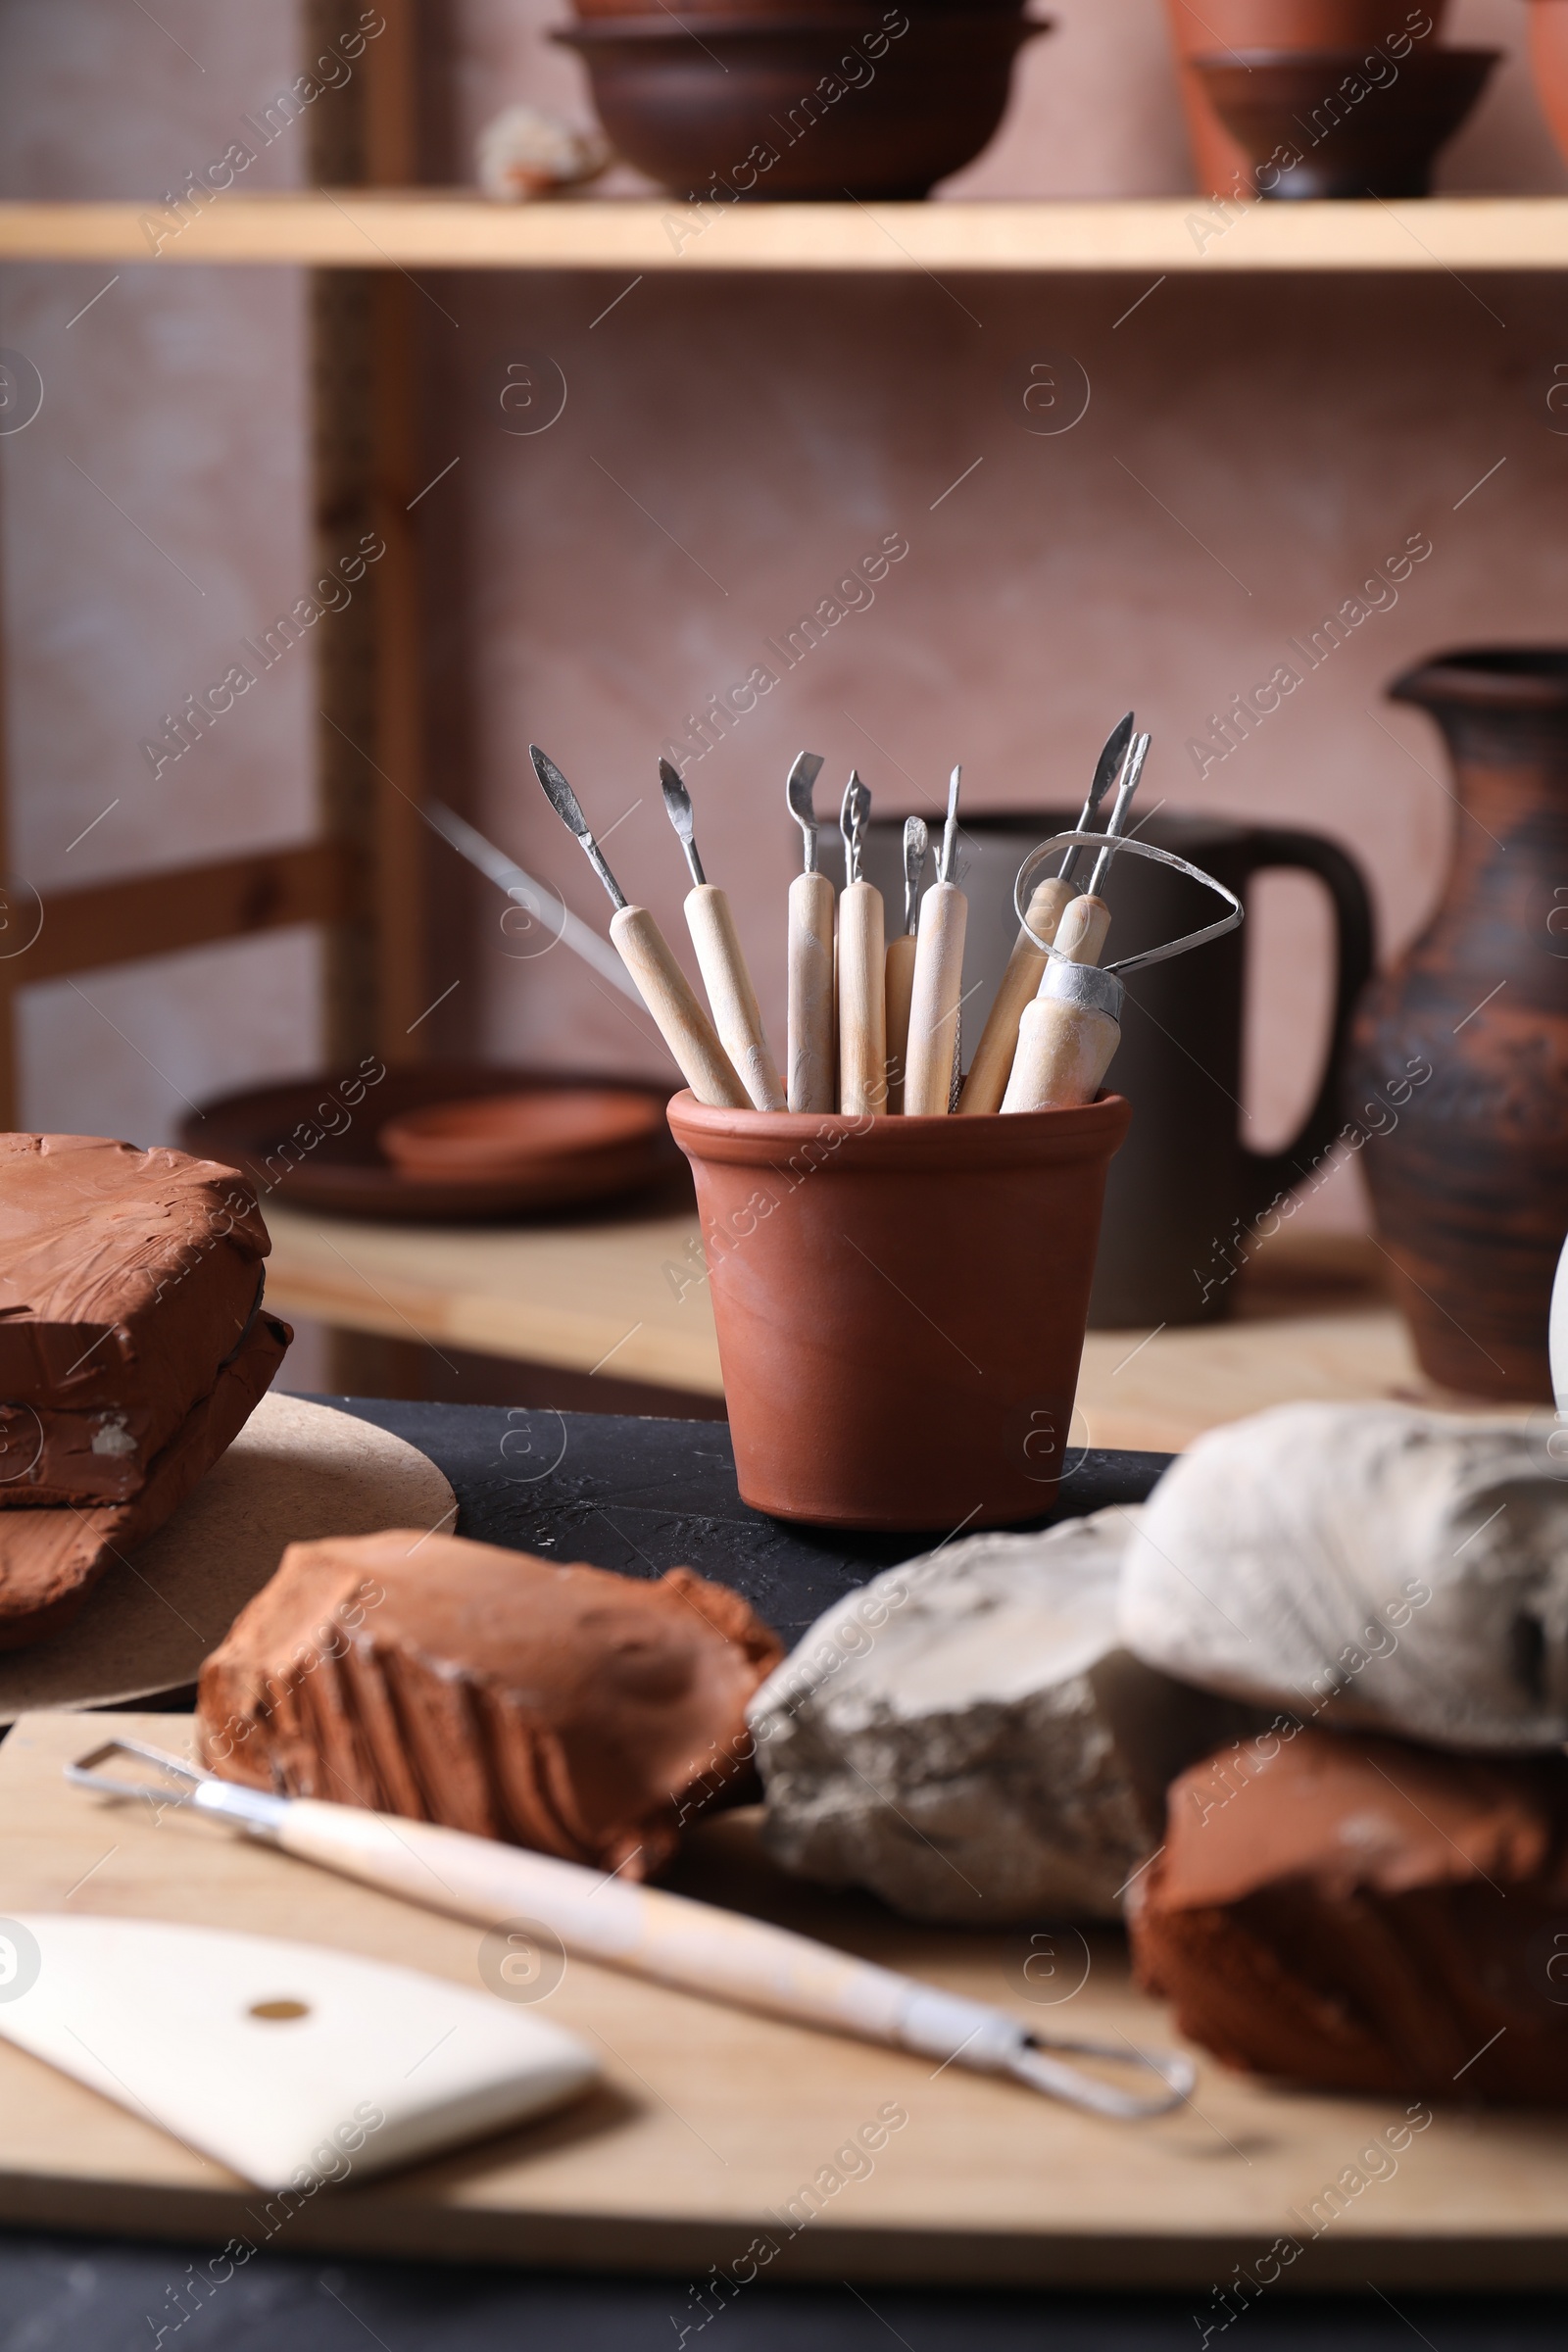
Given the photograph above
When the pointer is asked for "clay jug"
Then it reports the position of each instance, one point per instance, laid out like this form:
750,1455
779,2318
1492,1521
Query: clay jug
1469,1180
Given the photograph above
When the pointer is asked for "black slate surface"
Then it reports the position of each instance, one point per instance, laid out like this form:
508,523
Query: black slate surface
645,1495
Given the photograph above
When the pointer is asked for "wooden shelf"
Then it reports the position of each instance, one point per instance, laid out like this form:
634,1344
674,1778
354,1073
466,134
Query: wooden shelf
439,230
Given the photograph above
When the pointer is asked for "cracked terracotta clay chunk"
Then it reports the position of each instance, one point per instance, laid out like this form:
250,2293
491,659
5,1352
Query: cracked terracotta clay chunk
565,1708
127,1278
1353,1913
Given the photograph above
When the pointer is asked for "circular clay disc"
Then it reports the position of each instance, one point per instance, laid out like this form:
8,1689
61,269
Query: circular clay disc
296,1471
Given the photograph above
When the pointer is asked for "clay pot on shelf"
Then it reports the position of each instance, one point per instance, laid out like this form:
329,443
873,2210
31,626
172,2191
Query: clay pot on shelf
1548,61
1314,125
901,1305
1215,27
804,102
1469,1182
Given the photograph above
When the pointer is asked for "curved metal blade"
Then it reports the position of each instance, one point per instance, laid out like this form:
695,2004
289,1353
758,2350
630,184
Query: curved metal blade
678,808
799,788
1106,768
564,801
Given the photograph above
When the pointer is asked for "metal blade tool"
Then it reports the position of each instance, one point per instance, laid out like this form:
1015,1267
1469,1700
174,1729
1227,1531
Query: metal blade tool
861,983
724,1955
811,1054
987,1080
645,952
938,979
900,960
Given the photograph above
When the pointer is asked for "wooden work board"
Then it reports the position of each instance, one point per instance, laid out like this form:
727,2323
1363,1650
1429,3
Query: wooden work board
711,2122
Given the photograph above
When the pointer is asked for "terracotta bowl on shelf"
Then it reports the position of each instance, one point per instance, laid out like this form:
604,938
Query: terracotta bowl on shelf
318,1143
1216,28
868,14
1381,143
790,105
515,1133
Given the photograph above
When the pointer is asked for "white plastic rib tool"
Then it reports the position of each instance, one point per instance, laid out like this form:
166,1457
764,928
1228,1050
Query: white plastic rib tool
813,1049
644,949
720,1955
938,986
987,1080
721,960
291,2063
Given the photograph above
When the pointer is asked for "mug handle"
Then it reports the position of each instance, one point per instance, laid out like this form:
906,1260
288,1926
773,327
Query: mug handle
1265,848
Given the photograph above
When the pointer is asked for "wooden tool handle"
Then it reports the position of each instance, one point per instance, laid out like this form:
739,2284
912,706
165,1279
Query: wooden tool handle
900,990
933,1004
672,1000
670,1936
987,1080
1064,1050
863,1003
812,1048
722,960
1081,932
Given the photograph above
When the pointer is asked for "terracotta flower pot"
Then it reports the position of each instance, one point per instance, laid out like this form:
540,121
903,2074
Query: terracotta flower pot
1549,59
1313,124
802,103
901,1305
1470,1179
1209,27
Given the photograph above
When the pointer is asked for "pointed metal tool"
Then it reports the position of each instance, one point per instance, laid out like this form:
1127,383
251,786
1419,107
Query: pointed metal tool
1107,770
557,923
900,958
731,998
811,1045
645,952
1068,1036
938,989
987,1082
862,985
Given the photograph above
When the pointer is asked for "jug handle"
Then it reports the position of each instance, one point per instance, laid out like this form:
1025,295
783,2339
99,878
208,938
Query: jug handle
1267,848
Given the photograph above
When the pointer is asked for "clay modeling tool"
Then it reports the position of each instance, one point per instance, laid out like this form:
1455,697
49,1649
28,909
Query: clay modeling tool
900,960
1071,1030
938,980
721,960
987,1080
288,2062
719,1954
645,952
862,981
1068,1035
811,1048
557,923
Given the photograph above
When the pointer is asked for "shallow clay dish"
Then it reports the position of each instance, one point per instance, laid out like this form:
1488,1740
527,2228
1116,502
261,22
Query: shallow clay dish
1382,143
316,1144
485,1137
839,115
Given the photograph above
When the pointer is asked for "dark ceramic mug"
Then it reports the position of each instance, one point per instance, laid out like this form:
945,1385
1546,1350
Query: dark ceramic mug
1183,1184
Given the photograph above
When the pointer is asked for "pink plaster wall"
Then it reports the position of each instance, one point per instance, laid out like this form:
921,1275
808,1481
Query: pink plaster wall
728,449
1251,450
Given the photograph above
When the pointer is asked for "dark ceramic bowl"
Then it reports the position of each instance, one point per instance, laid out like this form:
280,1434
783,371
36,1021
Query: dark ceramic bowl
316,1144
1314,123
801,104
